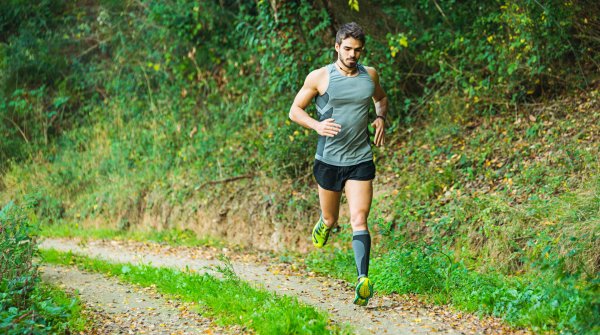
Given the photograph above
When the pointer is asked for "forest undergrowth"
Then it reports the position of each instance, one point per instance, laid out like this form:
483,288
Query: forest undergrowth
488,190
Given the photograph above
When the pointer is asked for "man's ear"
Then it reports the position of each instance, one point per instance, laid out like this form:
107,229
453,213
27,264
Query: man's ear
337,47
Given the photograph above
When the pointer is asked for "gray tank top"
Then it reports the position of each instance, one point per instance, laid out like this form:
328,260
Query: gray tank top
347,100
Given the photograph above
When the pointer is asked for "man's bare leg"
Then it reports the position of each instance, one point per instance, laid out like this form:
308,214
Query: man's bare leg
330,209
360,195
330,206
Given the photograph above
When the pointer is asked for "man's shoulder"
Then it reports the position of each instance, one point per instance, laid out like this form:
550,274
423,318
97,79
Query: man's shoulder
317,75
318,72
372,72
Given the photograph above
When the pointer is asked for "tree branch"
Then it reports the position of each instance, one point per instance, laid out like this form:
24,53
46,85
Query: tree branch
226,180
18,128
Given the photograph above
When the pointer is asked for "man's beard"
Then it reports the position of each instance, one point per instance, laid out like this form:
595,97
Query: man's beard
348,66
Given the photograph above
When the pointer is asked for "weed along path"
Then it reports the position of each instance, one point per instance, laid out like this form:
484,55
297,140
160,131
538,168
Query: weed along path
384,315
126,309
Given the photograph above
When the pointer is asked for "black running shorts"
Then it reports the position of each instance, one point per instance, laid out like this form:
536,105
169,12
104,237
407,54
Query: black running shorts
333,178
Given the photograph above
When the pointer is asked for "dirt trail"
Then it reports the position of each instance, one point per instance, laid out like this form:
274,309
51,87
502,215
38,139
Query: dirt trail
384,315
128,309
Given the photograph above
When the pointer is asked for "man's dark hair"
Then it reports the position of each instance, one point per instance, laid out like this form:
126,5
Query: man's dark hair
351,29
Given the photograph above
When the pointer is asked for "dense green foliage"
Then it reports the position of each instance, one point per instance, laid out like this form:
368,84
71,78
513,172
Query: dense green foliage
26,305
492,155
493,53
229,300
236,66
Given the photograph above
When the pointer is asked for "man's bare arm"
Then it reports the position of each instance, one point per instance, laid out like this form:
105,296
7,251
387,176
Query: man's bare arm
381,108
379,96
298,114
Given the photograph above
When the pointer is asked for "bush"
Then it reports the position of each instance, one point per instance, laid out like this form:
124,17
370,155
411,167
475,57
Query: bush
26,306
18,272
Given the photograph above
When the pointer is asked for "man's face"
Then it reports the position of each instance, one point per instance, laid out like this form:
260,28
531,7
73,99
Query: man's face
349,51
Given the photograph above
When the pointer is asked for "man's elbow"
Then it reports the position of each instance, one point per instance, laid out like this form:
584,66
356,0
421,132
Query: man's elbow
292,115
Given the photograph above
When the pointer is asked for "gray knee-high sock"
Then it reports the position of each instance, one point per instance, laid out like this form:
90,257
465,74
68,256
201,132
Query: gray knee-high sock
361,243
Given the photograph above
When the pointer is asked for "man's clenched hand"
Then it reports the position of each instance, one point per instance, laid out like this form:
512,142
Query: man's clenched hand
328,128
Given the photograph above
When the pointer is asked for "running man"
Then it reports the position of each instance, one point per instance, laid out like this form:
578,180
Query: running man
344,161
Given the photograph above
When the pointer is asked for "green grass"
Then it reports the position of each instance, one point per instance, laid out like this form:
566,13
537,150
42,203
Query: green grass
168,236
229,301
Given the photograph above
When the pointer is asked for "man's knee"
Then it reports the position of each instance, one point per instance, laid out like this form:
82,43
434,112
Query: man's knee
359,219
330,219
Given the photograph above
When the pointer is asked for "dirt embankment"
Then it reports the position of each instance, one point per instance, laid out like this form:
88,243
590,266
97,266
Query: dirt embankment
254,212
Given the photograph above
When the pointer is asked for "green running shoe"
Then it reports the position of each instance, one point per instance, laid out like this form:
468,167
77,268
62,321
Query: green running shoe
364,291
320,233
